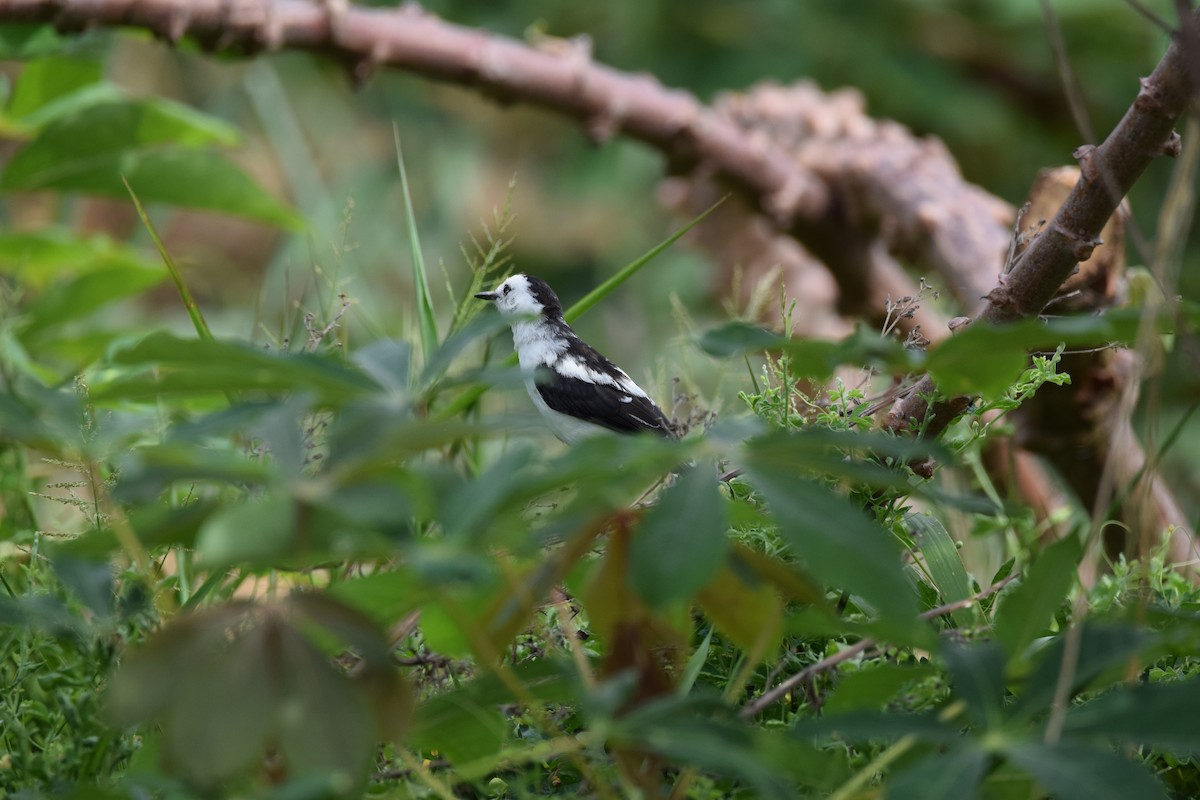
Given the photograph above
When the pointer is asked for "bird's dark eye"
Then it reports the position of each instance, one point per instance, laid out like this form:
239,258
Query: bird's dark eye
507,288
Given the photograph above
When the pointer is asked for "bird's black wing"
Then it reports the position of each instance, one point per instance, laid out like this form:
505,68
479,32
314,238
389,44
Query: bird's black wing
601,404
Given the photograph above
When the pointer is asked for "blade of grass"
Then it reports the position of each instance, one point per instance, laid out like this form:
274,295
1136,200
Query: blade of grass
468,398
426,321
625,273
185,294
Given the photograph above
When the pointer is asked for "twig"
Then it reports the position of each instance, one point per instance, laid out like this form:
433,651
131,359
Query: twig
1146,132
785,686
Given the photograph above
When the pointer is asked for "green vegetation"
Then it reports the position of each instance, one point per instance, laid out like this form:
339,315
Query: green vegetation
322,561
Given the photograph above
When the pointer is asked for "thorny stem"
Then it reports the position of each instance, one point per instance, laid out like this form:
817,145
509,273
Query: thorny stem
786,686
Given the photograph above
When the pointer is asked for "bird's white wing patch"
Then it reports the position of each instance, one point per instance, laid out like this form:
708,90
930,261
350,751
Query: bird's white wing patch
571,366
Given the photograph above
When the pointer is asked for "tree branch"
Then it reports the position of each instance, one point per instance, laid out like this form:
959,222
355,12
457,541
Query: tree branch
937,217
1145,132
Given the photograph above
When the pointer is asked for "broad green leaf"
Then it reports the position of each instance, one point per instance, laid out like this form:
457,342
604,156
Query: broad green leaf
871,458
944,563
837,541
45,80
151,144
148,471
977,672
870,689
986,359
681,543
975,367
1156,714
1025,611
811,357
713,744
951,775
154,525
145,684
221,714
743,608
195,367
466,724
863,726
1103,649
323,723
76,298
387,361
64,106
103,133
1071,771
89,580
385,596
259,531
28,40
37,258
736,338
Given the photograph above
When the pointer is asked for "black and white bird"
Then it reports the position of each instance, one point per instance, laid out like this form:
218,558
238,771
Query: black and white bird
577,390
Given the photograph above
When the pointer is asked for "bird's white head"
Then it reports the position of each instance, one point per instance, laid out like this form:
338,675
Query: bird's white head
525,296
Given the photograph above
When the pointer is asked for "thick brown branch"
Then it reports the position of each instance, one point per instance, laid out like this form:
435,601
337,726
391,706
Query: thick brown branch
931,213
558,75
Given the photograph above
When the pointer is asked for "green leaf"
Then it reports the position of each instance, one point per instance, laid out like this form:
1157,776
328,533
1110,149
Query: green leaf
736,338
811,357
1071,771
977,672
976,367
870,689
259,531
863,726
1156,714
681,543
1025,611
324,725
951,775
858,456
698,731
1103,648
384,596
466,723
836,540
743,608
195,367
152,145
146,683
47,80
944,563
19,40
156,526
37,258
986,359
218,721
84,294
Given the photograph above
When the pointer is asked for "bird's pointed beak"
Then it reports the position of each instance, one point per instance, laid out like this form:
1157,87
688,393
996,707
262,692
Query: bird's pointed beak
487,295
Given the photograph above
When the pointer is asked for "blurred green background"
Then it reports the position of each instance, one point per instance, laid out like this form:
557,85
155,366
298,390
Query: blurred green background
978,74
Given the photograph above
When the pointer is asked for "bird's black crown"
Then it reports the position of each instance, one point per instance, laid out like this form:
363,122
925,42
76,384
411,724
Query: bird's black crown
541,291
